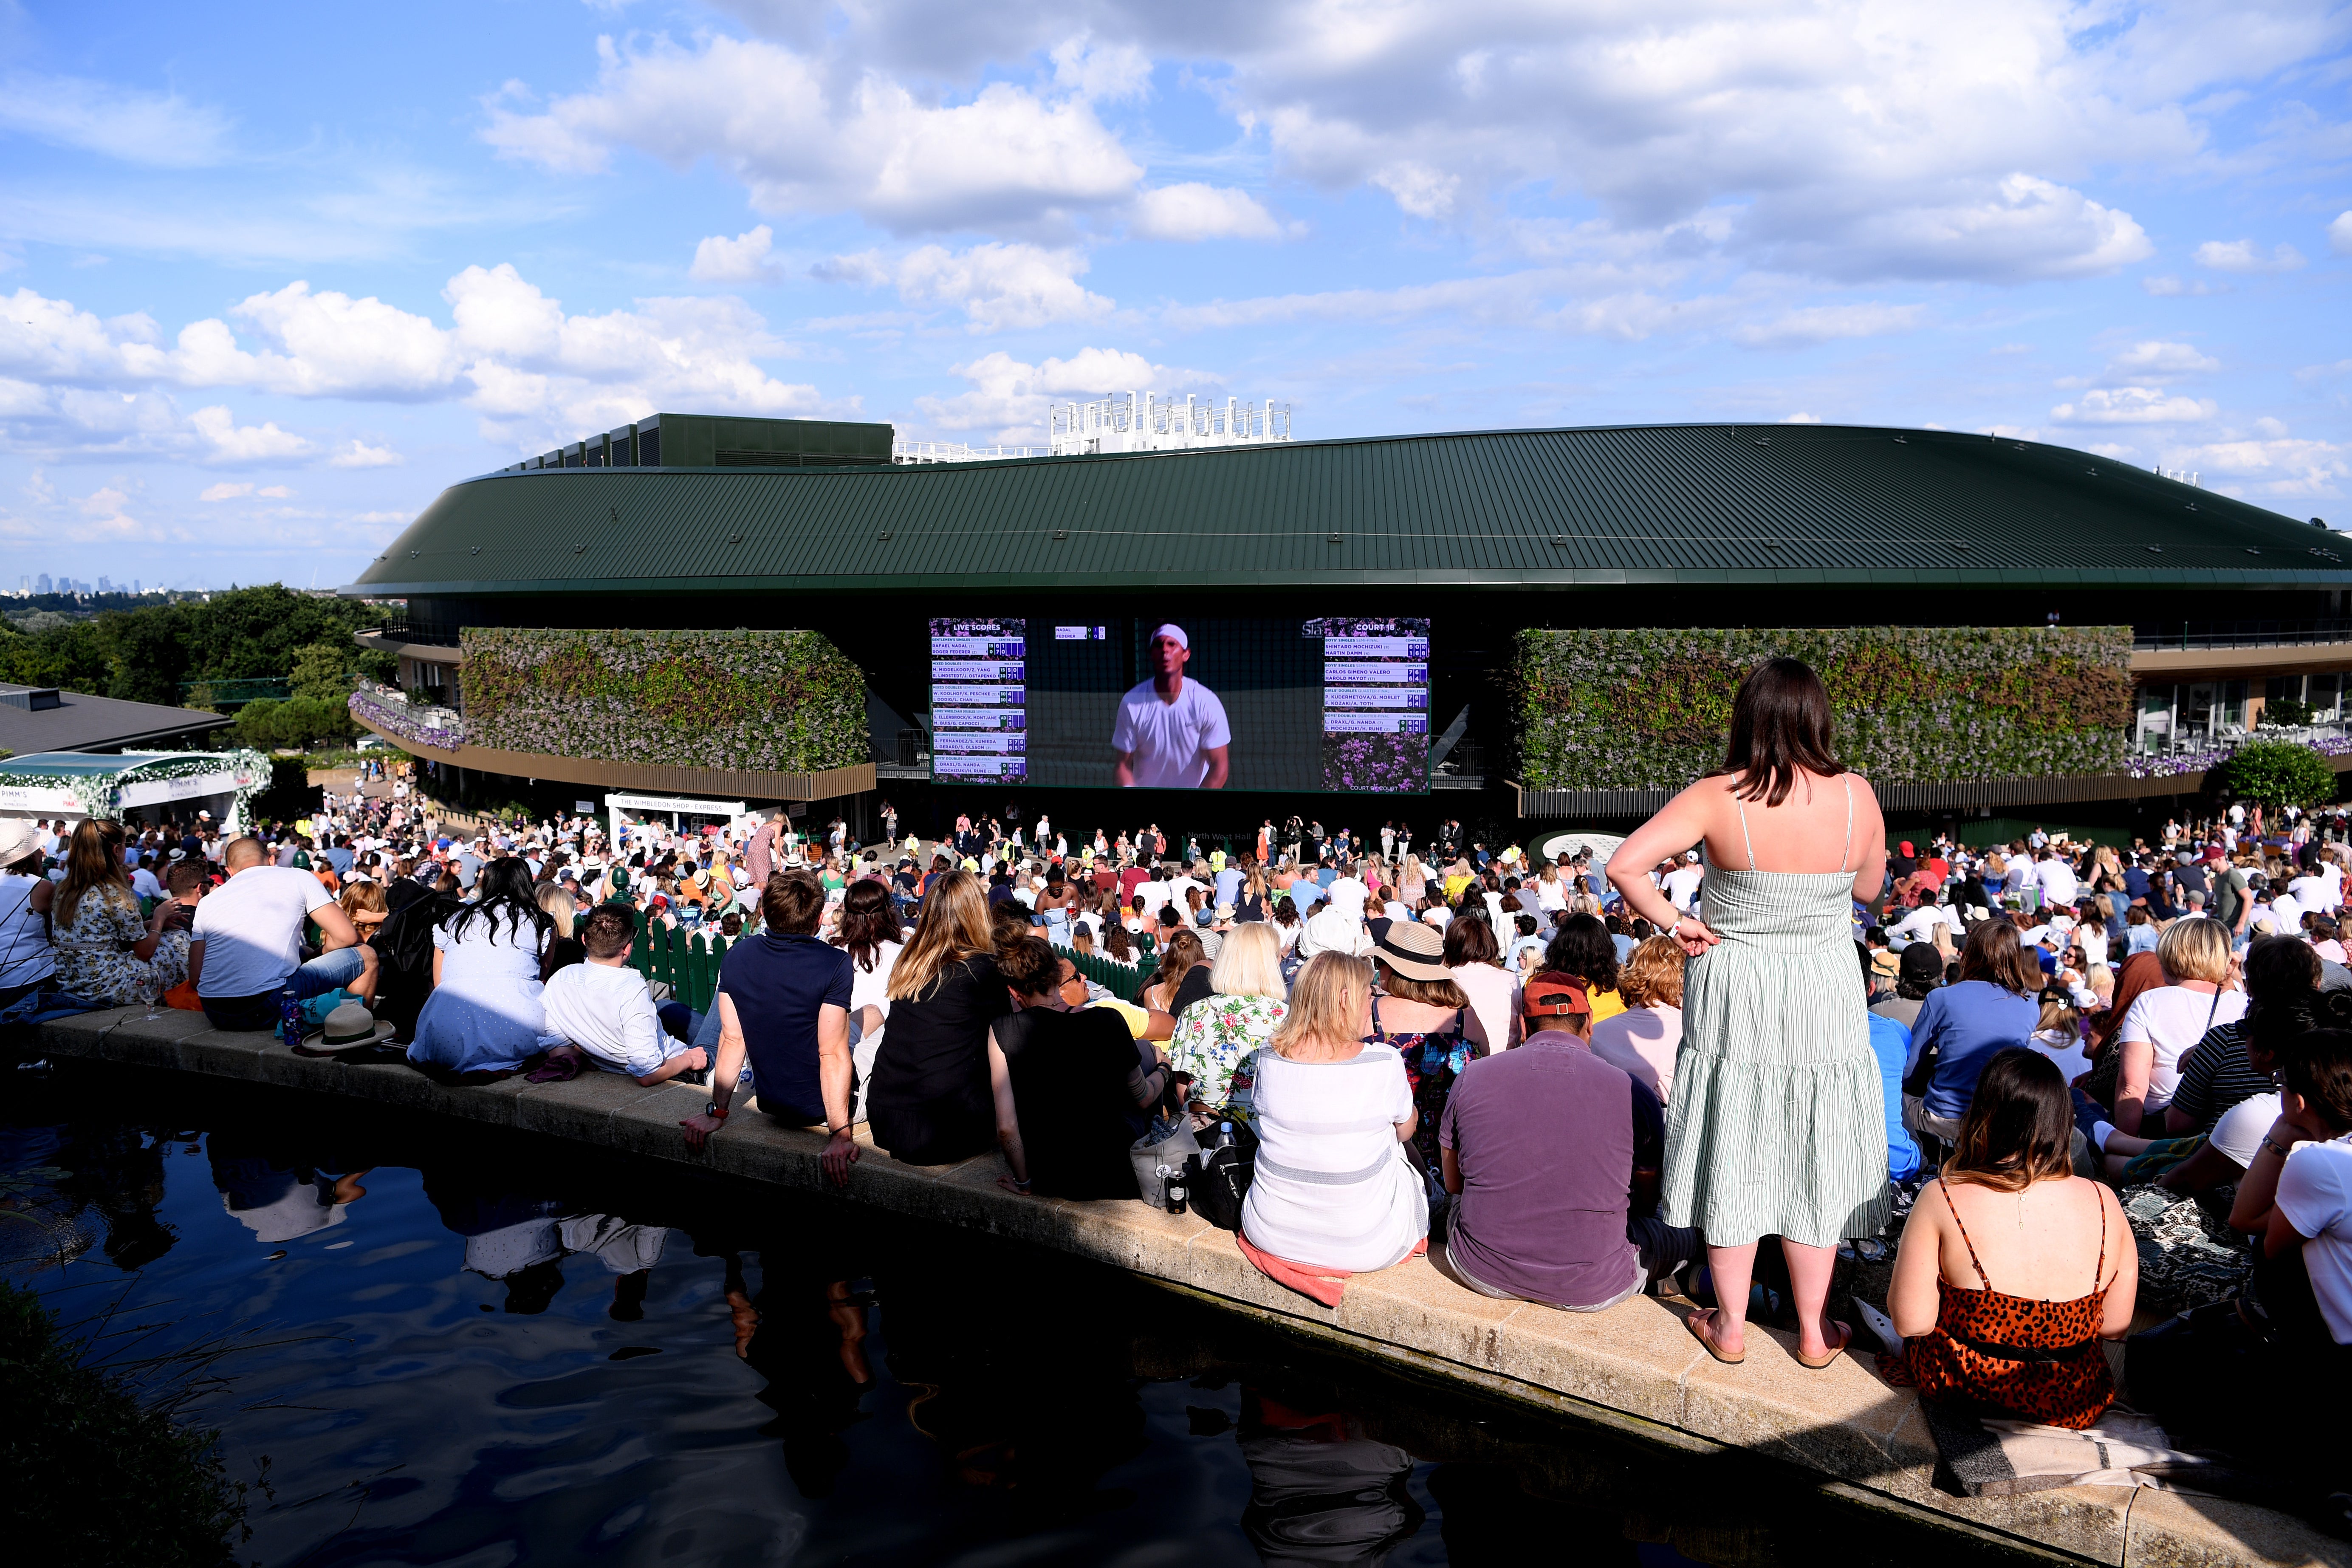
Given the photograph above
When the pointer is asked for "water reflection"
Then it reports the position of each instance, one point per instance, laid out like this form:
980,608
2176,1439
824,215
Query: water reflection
490,1353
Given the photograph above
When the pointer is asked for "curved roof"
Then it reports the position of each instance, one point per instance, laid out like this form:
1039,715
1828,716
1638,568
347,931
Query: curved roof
1679,504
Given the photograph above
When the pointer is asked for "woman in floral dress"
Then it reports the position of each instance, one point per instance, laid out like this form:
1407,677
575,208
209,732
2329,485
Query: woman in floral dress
1216,1036
106,954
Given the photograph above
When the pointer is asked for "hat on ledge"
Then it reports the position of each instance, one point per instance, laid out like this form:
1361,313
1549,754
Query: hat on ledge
348,1026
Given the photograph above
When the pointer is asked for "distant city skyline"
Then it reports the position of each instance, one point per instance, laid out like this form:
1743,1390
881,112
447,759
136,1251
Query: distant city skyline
261,313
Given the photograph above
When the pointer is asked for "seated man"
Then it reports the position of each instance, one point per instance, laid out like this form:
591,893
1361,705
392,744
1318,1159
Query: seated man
783,1002
604,1010
245,945
1071,1094
1555,1154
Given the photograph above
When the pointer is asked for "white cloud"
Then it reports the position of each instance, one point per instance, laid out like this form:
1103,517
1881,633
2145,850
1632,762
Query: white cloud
1011,399
2246,255
743,259
2166,287
234,442
357,454
804,138
275,492
2134,406
2339,233
1195,211
2159,362
1100,71
1820,323
225,490
996,286
158,130
2276,466
1800,418
70,381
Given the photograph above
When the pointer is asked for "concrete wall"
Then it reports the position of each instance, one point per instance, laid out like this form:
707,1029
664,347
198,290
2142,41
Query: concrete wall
1631,1366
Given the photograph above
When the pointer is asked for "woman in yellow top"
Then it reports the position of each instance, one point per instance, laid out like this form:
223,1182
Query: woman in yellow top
1459,878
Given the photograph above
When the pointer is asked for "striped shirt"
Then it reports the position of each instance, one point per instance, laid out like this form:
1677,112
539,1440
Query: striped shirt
2215,1076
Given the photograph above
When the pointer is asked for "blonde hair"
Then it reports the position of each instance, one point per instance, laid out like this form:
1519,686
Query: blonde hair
1250,964
362,897
953,927
2194,950
560,905
1327,1001
2058,1013
1652,975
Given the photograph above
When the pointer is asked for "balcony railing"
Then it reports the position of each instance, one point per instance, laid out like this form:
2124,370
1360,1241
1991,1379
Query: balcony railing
413,631
383,709
2196,637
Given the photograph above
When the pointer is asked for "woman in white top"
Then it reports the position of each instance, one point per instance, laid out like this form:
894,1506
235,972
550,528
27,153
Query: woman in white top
868,929
26,958
1551,893
486,1014
1335,1186
2165,1024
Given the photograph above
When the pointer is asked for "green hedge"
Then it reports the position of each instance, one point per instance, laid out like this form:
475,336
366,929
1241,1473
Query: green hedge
768,701
1650,709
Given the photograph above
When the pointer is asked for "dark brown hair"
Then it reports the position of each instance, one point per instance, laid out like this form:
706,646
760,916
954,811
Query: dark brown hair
610,929
1470,941
2020,1126
1995,953
1779,724
2318,1067
867,921
1029,966
791,903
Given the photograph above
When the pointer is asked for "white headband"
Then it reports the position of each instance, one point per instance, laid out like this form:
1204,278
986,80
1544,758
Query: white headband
1175,635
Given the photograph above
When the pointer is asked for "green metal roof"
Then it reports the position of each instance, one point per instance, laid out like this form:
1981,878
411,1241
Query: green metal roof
1685,504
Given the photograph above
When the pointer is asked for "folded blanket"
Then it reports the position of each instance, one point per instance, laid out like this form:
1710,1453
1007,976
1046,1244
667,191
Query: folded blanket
1992,1456
1312,1279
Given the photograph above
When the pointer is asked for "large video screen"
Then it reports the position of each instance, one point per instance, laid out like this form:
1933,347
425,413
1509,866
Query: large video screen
1332,703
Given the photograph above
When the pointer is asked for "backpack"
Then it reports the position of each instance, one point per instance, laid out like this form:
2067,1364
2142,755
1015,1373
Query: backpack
1218,1180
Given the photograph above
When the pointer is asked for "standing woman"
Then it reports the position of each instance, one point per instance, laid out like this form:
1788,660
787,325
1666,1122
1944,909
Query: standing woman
1777,1123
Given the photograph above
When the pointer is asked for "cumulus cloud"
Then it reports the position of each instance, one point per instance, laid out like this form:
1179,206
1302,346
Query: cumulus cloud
1194,211
158,130
533,371
2246,255
2270,465
233,443
996,286
743,259
1820,323
2339,233
804,137
1010,399
2134,406
1101,72
2157,363
225,490
2166,287
357,454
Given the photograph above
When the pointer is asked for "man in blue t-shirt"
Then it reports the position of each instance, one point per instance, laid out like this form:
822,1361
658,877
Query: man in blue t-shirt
783,1000
1890,1042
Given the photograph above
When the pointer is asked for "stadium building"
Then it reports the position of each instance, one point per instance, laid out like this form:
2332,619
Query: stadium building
703,616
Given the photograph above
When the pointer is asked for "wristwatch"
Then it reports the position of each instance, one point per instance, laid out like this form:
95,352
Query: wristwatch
2271,1144
715,1110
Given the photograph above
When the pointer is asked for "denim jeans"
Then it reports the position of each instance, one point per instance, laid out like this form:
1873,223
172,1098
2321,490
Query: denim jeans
251,1015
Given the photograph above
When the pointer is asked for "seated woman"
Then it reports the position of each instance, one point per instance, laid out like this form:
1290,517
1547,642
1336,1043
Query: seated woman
1216,1035
1962,1025
1183,977
1334,1188
486,1014
930,1102
1069,1093
1582,951
1644,1038
106,954
2201,993
1419,1009
2012,1269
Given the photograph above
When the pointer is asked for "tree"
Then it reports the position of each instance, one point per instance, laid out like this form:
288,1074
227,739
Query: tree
2278,773
323,670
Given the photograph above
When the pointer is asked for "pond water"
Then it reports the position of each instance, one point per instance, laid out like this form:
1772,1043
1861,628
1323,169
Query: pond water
429,1344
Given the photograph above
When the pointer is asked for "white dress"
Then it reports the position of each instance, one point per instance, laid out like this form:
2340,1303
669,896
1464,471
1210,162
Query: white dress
1333,1186
486,1014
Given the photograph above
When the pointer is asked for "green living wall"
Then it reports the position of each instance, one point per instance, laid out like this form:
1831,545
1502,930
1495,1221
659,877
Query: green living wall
1650,709
759,701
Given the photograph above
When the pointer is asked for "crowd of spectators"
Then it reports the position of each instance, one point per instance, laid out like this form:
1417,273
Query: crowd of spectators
1548,1076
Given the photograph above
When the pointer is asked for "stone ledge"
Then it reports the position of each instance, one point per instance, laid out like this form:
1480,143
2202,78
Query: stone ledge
1631,1365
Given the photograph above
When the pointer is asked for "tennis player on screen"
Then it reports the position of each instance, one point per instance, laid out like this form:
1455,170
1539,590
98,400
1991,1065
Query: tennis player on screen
1171,732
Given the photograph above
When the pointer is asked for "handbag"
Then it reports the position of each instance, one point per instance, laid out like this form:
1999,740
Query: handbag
1219,1180
1157,1151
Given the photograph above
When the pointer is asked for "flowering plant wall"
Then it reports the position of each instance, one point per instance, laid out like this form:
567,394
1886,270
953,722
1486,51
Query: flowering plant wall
1650,709
410,721
754,702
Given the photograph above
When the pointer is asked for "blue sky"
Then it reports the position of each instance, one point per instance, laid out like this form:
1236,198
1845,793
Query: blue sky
277,274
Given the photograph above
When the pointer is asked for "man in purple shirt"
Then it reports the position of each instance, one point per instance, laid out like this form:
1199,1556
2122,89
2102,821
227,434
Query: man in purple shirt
1555,1154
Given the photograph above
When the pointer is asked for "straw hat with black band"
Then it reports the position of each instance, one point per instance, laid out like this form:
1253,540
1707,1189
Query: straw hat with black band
1415,951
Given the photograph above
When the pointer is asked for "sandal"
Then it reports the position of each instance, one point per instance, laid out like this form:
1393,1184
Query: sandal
1836,1351
1706,1316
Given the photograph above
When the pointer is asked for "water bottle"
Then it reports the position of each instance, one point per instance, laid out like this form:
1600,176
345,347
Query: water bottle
1225,1135
289,1018
1172,1186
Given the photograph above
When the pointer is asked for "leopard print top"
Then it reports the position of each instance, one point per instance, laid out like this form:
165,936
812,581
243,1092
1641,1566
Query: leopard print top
2034,1360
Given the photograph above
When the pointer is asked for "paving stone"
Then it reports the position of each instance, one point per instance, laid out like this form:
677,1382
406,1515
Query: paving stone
2180,1530
1832,1420
1632,1357
576,1108
1413,1305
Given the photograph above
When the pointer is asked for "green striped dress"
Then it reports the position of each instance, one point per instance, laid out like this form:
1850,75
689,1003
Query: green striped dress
1777,1123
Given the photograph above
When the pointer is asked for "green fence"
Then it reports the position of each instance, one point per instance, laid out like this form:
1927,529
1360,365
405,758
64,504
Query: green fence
688,964
1124,981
